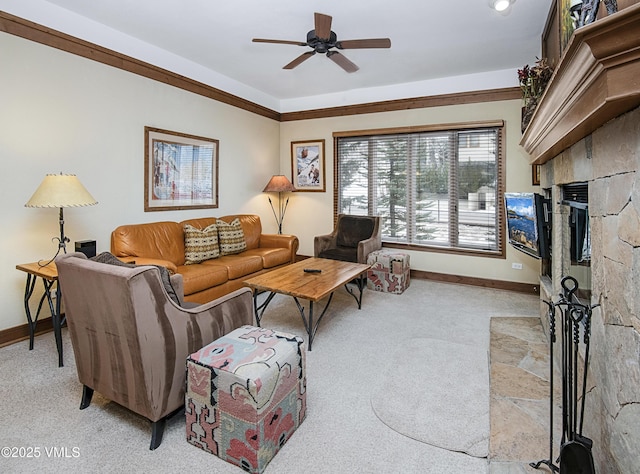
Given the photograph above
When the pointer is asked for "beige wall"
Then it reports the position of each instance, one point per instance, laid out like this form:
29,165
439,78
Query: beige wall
62,113
311,213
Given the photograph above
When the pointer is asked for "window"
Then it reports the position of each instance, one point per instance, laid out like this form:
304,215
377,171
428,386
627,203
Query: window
436,188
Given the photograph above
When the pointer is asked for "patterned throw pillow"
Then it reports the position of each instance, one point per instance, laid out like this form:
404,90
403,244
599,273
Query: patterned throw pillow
231,237
200,245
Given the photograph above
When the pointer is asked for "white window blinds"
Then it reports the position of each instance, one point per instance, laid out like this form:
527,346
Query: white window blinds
433,188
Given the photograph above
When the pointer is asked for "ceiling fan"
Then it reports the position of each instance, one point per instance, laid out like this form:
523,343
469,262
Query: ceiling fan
322,40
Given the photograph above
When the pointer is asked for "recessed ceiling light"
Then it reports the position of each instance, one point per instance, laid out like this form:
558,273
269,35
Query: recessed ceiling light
501,5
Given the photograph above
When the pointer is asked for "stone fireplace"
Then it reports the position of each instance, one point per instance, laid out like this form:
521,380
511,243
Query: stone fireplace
587,130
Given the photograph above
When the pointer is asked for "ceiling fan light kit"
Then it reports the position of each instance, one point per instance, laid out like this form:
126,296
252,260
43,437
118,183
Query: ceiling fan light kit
324,41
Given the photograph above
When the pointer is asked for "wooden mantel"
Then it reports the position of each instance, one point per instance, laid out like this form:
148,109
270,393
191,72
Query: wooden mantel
597,79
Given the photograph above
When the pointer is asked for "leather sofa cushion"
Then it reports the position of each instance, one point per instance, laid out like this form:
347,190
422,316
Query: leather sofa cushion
200,277
237,266
156,240
271,257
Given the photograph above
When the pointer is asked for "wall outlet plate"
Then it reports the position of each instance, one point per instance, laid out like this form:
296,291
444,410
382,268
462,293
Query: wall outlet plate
516,266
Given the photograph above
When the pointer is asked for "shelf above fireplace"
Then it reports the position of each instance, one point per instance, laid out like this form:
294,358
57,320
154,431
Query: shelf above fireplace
597,79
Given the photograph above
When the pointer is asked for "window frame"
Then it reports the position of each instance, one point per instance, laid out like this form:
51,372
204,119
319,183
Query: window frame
500,252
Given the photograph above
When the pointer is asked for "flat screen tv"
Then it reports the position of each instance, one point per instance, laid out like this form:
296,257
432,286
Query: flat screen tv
528,223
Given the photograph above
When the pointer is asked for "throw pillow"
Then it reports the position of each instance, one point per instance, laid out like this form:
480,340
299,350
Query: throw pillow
200,245
231,237
110,259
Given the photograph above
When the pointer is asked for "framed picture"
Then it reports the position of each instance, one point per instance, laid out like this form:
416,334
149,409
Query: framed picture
180,171
307,165
535,175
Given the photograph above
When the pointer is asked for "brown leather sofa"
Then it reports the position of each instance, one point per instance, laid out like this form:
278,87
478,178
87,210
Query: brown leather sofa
162,243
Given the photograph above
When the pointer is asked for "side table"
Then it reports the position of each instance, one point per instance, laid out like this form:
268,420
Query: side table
49,276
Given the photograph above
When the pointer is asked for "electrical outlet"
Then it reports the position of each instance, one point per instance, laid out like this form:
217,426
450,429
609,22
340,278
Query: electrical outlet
516,266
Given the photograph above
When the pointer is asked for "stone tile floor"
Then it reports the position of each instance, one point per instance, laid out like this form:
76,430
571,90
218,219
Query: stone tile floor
519,390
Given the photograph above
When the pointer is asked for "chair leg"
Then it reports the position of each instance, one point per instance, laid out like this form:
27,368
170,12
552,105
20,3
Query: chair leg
157,430
87,393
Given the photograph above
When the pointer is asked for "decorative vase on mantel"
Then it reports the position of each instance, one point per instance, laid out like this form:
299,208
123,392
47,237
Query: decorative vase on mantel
527,112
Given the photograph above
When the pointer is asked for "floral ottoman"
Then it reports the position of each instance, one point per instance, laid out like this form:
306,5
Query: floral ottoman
389,272
246,395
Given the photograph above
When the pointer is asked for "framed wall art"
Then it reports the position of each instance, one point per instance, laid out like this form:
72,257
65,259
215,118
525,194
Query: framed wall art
535,175
307,165
180,171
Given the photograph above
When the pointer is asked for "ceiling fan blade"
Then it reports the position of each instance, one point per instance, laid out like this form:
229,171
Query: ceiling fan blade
323,25
364,43
296,62
342,61
260,40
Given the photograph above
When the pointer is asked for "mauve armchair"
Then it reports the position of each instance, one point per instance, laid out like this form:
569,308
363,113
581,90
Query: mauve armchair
131,340
352,240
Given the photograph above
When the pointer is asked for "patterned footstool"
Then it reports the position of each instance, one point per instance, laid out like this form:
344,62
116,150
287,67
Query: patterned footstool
246,395
389,272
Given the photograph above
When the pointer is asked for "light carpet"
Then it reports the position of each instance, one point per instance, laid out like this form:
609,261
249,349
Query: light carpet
421,395
351,352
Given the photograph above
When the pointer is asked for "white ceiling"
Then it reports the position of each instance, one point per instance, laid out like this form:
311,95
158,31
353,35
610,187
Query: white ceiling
435,45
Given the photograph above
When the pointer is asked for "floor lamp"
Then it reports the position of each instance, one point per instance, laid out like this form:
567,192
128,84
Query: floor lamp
61,190
279,184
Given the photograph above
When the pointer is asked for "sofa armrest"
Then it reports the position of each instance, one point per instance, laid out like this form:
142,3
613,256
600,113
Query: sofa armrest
324,242
178,286
283,241
365,247
151,261
213,320
183,332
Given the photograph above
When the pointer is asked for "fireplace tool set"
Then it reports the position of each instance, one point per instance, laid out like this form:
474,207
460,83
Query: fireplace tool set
575,449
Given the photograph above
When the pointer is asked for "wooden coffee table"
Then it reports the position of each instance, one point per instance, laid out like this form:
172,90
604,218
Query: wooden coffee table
292,280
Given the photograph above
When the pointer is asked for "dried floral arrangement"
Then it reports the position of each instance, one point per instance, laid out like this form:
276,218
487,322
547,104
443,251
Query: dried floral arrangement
534,80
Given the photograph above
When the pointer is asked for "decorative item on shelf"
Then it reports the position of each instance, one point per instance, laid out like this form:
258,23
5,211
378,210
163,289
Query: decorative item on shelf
279,184
533,82
60,190
585,11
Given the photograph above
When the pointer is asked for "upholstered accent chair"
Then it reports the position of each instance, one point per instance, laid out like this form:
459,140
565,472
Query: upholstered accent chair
353,238
131,340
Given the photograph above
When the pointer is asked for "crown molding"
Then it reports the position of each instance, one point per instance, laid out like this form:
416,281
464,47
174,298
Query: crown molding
31,31
49,37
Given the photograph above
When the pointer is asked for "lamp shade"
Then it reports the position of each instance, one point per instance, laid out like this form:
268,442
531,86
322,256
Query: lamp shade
61,190
278,184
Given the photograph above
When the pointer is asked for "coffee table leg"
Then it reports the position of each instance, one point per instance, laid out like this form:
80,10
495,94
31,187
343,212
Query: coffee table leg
259,309
361,282
308,322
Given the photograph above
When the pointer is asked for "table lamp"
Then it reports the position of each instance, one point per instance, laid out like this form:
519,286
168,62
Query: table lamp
61,190
279,184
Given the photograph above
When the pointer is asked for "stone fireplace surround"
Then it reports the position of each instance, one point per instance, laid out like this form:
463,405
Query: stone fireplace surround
587,129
